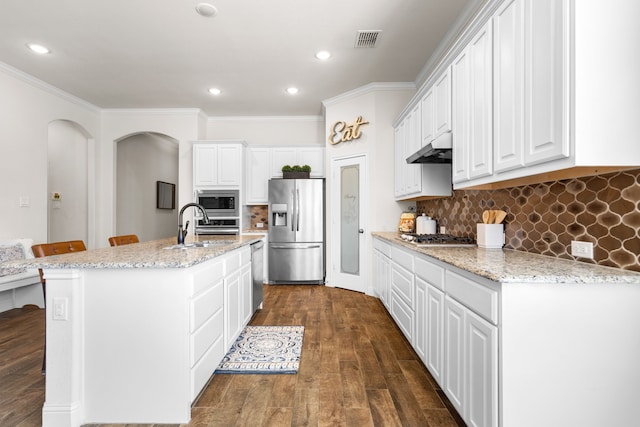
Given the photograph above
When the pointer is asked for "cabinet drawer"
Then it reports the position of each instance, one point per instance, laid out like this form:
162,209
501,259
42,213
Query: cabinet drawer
203,370
478,298
402,284
204,305
205,277
208,333
430,272
403,315
402,258
382,246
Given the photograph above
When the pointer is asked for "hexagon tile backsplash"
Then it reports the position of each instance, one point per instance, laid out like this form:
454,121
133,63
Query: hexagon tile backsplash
545,218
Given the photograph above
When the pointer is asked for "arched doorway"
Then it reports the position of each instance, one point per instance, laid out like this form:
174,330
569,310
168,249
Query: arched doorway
142,159
68,182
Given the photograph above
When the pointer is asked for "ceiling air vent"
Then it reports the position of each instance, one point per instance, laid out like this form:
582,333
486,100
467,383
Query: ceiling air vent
367,38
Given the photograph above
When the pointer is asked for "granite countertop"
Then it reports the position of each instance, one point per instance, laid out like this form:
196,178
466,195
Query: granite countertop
150,254
511,266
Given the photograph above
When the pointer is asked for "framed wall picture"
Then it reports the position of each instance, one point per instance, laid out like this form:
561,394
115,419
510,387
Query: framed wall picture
166,195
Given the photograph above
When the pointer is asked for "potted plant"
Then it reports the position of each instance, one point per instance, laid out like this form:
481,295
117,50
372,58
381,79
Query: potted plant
296,172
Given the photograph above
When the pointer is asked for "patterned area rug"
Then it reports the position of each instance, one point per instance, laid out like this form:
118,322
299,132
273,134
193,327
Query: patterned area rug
264,350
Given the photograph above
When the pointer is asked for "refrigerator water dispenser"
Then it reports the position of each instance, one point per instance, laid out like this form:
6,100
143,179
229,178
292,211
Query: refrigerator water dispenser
279,212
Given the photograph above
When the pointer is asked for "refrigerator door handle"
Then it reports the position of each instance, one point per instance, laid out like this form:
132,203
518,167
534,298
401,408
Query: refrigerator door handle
297,209
293,210
296,247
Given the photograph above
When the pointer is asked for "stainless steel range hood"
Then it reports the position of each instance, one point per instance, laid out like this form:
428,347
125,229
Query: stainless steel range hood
437,151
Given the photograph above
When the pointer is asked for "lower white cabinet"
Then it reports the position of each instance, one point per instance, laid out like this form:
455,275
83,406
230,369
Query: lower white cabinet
236,296
434,333
451,322
481,363
382,270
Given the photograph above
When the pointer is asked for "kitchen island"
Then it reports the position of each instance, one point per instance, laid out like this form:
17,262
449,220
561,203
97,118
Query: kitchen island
135,332
517,339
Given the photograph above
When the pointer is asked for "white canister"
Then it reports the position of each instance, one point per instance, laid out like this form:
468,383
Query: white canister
425,225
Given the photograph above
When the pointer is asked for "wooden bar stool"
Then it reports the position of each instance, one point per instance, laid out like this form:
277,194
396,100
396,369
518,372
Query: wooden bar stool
123,240
48,249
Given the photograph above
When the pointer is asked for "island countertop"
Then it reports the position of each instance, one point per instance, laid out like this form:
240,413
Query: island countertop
512,266
151,254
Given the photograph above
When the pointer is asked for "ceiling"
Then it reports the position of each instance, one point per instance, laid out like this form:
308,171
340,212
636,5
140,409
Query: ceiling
162,54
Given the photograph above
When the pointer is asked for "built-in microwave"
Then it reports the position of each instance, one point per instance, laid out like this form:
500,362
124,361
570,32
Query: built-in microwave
219,203
223,210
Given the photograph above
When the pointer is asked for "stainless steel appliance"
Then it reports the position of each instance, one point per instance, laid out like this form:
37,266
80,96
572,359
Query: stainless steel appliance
257,272
223,210
437,239
296,231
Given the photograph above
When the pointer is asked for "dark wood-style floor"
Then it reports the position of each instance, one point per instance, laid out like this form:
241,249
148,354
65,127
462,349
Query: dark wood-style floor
356,370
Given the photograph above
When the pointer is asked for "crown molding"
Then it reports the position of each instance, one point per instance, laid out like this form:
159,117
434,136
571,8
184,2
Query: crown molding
264,118
154,111
46,87
368,88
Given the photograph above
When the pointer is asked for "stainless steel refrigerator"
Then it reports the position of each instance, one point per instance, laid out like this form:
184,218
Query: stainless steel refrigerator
296,231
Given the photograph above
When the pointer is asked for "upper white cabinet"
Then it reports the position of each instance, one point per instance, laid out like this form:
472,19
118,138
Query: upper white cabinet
442,104
312,156
258,173
217,164
528,83
416,180
472,111
264,163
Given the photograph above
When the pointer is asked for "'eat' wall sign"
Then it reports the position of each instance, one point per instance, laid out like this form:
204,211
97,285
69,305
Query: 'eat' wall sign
342,131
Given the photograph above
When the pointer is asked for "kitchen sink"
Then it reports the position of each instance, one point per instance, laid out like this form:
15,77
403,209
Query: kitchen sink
202,244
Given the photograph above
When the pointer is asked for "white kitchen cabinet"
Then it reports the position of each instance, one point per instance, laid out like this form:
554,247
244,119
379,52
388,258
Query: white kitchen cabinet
442,104
481,368
402,290
460,117
416,180
471,349
427,112
236,296
217,164
312,156
528,82
382,270
421,315
400,187
429,326
454,375
435,333
435,107
412,143
258,173
472,123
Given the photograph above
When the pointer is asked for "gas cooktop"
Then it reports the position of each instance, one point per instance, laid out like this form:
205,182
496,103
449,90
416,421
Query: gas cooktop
424,240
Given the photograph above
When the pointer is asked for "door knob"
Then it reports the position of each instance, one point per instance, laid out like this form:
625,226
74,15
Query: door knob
361,231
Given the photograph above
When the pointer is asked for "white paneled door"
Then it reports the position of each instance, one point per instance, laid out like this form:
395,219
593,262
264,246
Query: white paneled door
348,223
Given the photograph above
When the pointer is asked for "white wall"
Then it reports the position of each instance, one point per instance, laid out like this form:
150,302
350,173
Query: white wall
380,105
142,160
299,130
27,106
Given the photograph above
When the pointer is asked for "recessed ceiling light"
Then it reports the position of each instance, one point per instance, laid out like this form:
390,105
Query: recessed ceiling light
323,55
215,91
206,9
292,90
38,48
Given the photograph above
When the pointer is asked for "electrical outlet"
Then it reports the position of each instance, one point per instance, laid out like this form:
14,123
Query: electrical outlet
582,249
60,308
259,225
